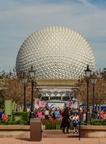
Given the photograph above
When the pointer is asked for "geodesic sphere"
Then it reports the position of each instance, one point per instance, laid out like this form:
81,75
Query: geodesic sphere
56,53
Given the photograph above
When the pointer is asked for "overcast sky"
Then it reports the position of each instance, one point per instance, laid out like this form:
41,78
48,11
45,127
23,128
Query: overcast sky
20,18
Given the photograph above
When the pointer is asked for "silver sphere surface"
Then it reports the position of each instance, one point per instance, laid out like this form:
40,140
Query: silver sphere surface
55,52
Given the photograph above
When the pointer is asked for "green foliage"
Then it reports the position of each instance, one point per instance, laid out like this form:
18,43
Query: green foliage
24,116
18,122
104,122
54,124
71,126
23,119
51,124
98,122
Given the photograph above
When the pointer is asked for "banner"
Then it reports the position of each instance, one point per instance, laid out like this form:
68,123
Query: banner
72,104
60,105
39,103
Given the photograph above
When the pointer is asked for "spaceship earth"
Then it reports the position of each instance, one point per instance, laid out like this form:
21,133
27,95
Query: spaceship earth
55,52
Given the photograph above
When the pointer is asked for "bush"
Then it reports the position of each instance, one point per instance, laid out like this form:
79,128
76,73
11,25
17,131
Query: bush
18,122
24,116
104,122
23,119
97,122
54,124
51,124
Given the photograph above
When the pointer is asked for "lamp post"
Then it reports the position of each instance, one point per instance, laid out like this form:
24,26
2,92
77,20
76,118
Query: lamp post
32,76
87,73
24,80
24,77
93,80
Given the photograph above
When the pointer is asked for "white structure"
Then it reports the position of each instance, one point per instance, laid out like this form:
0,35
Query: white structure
56,94
56,53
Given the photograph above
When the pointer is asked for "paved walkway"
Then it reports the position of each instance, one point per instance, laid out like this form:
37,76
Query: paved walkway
54,137
54,141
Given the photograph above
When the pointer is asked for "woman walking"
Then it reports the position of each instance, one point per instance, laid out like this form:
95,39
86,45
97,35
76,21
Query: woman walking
65,125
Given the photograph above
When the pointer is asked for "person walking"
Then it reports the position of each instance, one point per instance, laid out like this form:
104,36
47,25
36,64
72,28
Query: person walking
75,121
65,124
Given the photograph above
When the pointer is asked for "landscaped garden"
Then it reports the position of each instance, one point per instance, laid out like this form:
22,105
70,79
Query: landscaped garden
22,118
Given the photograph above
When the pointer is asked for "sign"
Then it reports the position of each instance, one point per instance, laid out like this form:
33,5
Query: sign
72,104
60,105
39,103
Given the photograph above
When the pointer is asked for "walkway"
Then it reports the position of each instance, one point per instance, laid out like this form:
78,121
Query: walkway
54,141
54,137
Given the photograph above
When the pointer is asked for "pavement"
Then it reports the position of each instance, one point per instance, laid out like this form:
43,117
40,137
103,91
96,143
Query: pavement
54,141
53,137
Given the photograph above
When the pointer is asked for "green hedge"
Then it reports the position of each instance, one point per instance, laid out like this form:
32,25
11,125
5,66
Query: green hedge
98,122
54,124
23,119
23,115
18,122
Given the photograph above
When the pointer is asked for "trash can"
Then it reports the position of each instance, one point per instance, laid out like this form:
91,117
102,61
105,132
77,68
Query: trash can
35,129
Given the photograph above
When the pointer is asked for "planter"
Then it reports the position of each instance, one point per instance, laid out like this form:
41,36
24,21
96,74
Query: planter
92,131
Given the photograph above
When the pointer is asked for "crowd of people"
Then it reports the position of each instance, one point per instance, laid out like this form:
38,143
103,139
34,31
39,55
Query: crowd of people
67,116
100,114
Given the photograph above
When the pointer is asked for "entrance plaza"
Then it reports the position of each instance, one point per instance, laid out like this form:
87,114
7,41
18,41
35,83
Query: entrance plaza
59,140
56,137
52,137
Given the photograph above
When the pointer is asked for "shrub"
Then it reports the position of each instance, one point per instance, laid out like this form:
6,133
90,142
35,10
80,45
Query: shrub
24,116
104,122
51,124
96,121
54,124
24,119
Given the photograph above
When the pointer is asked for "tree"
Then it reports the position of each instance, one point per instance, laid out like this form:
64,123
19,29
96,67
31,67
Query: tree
13,88
100,89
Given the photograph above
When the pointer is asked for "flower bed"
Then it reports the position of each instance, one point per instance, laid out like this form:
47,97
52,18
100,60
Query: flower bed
51,124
